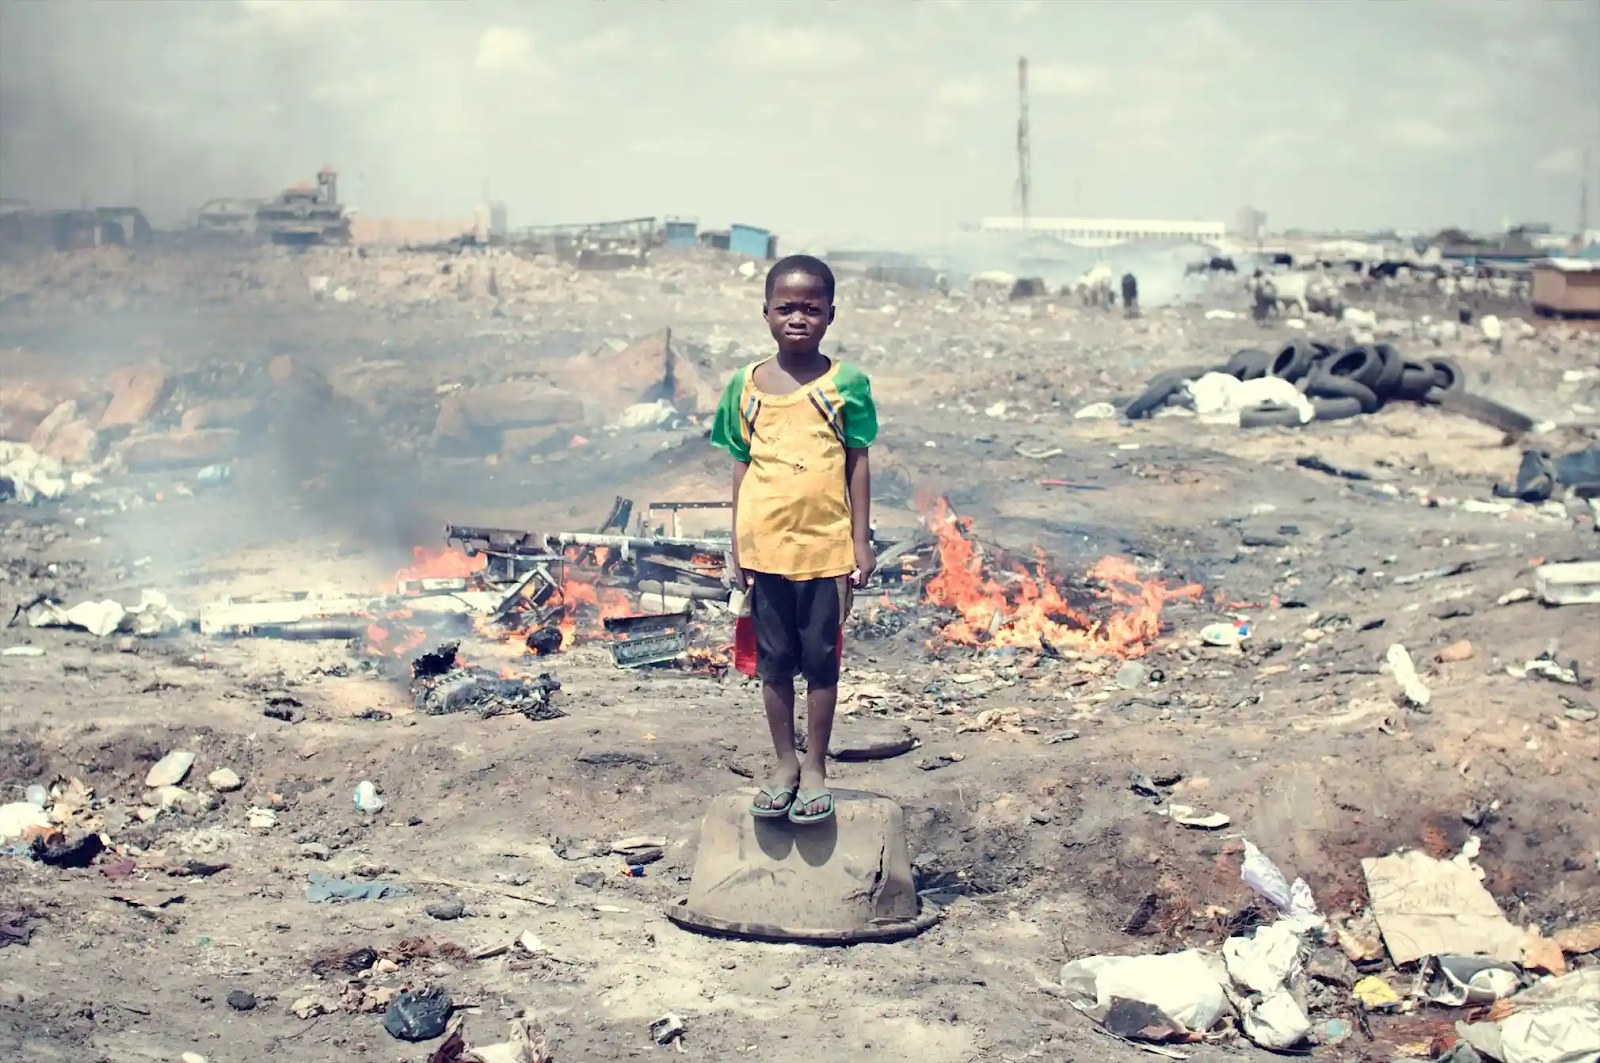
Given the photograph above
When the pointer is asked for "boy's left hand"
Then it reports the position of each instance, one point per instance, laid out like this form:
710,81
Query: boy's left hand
866,563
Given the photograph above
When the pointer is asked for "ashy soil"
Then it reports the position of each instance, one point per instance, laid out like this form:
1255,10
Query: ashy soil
1021,818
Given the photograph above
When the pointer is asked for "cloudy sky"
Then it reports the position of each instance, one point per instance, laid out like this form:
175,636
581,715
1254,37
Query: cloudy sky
883,119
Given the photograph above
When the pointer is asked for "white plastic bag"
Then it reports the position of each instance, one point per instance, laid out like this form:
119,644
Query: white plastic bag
1186,986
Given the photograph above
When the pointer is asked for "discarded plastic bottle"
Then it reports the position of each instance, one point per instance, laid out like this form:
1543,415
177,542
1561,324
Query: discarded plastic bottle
214,474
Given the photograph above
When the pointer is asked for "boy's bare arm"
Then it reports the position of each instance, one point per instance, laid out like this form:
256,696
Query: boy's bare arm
739,469
858,481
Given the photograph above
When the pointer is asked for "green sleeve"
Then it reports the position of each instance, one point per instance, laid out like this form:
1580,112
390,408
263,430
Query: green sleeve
727,429
860,413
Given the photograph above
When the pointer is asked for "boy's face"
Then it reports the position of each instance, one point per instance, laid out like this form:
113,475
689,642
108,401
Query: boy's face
798,312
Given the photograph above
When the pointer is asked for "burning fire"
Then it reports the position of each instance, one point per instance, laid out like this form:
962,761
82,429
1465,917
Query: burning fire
441,563
1030,611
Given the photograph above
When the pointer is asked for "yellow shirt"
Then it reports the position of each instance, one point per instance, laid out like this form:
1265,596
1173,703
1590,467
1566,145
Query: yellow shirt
794,507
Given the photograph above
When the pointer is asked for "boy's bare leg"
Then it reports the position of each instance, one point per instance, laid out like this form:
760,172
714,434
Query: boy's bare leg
820,703
777,697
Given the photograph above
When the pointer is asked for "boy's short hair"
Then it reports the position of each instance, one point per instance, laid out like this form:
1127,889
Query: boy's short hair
811,267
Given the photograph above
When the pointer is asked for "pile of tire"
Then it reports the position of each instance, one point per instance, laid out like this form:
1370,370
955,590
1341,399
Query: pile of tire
1339,383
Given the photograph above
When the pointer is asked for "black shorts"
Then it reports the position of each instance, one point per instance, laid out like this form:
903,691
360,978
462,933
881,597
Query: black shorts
799,627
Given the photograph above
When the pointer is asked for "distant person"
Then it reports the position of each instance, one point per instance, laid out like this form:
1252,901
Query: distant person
1130,295
1263,298
798,426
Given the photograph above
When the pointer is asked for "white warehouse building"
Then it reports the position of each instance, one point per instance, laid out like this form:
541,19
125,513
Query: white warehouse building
1108,232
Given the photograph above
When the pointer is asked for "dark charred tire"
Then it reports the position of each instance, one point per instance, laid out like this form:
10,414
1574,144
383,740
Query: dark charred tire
1360,364
1269,415
1487,411
1324,386
1293,361
1320,350
1249,364
1331,409
1393,367
1161,386
1416,380
1447,379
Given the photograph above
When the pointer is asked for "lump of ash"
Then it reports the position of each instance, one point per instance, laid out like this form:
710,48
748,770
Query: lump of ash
441,685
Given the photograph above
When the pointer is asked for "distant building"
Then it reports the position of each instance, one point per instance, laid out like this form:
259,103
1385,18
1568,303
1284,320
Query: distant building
1566,287
1108,232
1249,224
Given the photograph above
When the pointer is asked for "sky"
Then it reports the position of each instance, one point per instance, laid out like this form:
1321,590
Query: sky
884,120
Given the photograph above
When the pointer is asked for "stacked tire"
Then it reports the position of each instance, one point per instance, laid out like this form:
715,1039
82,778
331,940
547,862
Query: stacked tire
1339,383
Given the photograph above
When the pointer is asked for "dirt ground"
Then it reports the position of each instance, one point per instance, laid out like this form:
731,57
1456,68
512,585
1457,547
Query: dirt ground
1039,849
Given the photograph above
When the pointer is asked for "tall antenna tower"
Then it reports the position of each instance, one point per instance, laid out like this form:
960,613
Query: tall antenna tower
1024,150
1583,197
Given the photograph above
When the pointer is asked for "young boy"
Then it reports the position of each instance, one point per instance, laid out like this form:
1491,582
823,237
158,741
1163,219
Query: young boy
798,426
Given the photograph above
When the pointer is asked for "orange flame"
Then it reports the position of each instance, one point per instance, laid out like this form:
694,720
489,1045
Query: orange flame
441,563
1028,610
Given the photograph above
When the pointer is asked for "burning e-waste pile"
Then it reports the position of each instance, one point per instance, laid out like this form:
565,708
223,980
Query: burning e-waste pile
470,626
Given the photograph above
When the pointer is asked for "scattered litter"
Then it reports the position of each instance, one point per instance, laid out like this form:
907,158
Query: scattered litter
1186,986
1457,981
1544,666
22,651
1577,940
1294,902
1565,1034
1096,411
367,799
1277,1022
527,1044
418,1016
1200,819
1263,963
325,887
1428,907
18,817
667,1029
1405,673
648,415
1375,994
262,818
1223,635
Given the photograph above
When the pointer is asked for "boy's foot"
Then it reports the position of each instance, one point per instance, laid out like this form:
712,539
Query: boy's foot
775,797
813,800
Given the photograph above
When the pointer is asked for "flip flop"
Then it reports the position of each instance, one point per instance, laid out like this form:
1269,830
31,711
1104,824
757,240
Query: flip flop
781,798
802,799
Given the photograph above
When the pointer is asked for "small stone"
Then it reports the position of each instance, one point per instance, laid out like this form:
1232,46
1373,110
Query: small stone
589,879
170,769
224,781
315,851
1132,675
1455,653
780,983
1041,817
450,908
728,963
242,1000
